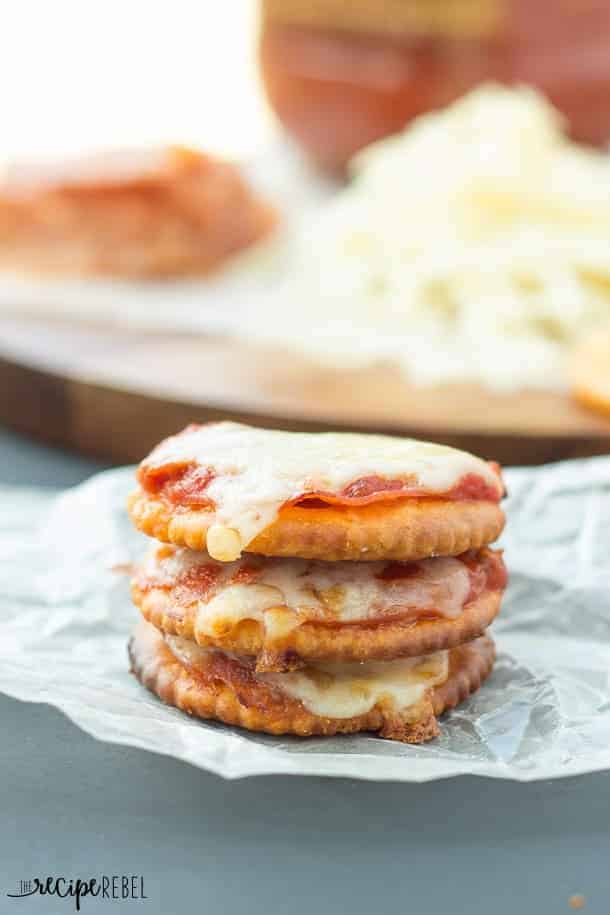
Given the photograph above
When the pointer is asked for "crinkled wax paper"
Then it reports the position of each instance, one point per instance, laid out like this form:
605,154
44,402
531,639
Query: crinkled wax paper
65,616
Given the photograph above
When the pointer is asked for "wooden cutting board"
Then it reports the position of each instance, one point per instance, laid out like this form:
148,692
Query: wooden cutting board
113,394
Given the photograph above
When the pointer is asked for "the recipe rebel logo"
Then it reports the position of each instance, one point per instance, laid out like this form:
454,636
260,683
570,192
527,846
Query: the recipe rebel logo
112,888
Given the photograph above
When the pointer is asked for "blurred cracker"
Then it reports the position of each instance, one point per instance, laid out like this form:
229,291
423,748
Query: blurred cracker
589,371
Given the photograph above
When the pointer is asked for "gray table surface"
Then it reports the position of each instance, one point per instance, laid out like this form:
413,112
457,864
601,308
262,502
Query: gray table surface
72,806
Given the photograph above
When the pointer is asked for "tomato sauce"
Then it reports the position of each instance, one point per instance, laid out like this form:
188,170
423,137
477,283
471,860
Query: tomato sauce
179,484
487,572
186,484
398,571
368,490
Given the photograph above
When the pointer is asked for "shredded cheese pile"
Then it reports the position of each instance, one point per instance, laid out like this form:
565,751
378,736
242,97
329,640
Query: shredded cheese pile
474,246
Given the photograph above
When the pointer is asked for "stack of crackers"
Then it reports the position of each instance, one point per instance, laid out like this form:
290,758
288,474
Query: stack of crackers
315,583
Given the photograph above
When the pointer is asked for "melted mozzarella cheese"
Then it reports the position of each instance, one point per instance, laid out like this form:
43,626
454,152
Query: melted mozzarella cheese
348,591
258,470
187,652
342,690
245,602
286,592
346,690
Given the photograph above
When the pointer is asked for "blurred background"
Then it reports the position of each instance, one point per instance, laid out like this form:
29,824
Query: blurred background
136,294
77,77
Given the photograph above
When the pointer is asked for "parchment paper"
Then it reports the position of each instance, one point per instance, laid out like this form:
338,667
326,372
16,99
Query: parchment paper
65,617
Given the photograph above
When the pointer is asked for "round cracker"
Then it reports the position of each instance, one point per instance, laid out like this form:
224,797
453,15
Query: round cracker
364,640
407,529
230,692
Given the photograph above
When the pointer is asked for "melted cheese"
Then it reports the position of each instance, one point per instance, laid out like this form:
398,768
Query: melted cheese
346,690
245,602
342,690
283,593
187,652
258,470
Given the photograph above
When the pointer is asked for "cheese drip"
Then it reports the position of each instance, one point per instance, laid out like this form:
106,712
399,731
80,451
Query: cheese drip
283,593
346,690
256,471
342,690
